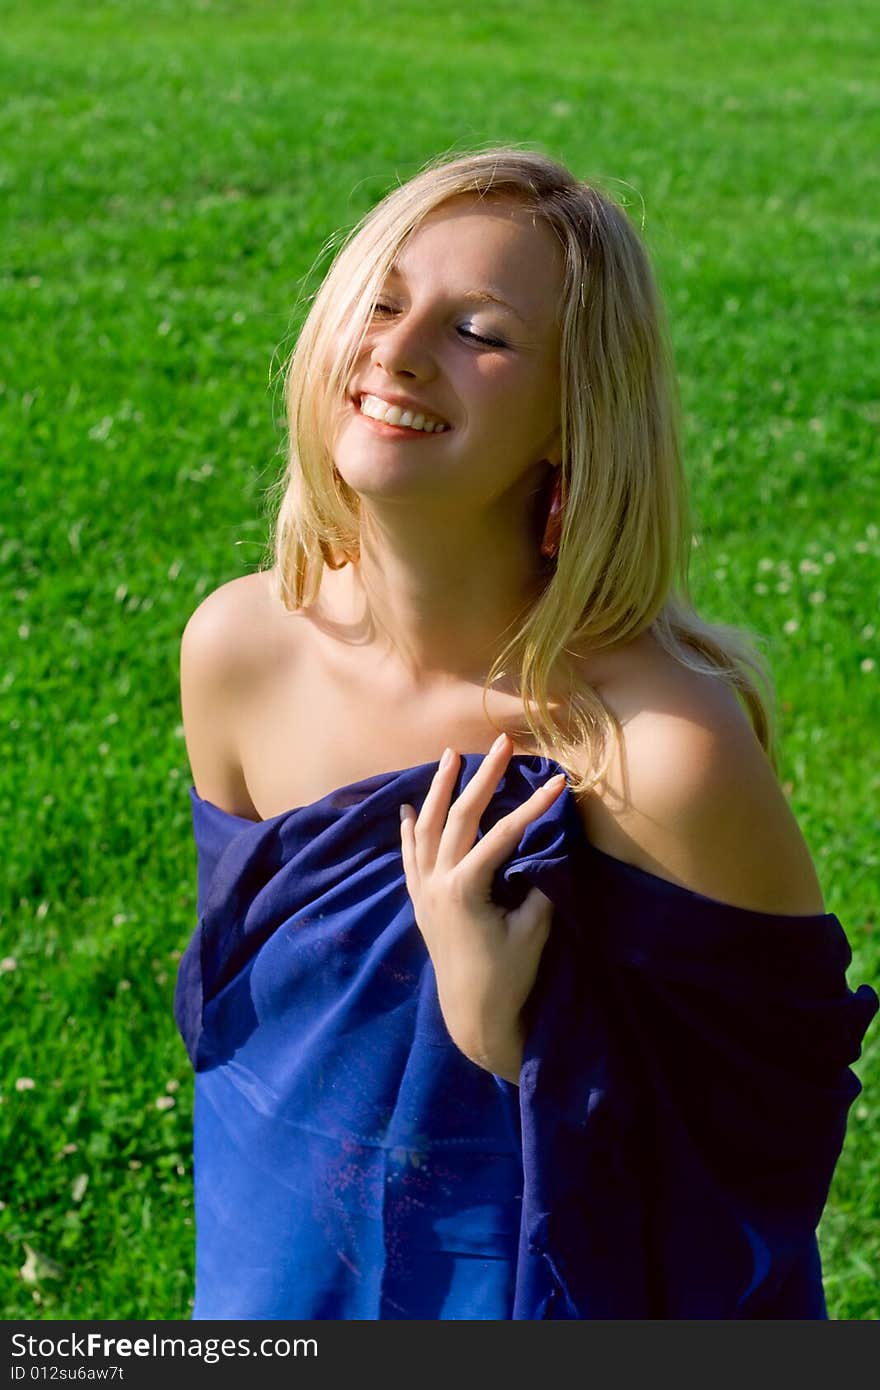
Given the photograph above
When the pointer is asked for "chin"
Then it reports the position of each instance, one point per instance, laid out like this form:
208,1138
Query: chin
368,466
378,477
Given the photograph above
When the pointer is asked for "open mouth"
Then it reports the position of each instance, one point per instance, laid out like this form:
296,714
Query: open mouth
407,421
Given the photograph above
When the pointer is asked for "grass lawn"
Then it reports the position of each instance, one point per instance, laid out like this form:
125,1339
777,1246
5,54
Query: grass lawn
170,172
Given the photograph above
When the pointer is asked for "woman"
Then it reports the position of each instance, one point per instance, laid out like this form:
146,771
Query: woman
544,1047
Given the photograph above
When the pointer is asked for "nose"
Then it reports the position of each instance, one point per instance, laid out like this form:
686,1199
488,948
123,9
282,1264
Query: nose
401,347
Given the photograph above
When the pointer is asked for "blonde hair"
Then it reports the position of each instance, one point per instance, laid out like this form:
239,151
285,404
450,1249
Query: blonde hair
625,545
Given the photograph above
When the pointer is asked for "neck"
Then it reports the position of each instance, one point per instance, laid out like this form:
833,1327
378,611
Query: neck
440,597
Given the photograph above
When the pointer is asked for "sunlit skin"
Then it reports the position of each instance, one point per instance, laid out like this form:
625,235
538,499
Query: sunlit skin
448,555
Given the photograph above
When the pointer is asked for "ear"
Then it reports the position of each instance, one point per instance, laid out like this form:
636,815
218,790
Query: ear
553,448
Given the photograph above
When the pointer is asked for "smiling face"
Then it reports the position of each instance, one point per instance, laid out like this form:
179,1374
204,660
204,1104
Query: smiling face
464,333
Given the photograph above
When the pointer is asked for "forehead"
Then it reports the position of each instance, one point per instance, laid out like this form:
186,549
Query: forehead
471,244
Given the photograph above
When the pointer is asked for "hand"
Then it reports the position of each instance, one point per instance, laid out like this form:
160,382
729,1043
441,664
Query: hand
485,959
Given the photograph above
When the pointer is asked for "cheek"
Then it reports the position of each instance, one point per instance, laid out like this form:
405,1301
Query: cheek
497,376
503,390
345,425
515,405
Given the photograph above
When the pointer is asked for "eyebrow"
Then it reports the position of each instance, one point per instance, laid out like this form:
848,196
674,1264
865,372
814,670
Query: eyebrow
476,297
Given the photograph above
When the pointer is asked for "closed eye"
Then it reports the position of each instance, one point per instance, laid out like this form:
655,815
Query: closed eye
490,342
465,332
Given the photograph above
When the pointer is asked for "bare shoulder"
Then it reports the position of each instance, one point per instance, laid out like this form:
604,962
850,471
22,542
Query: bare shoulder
691,795
222,652
228,623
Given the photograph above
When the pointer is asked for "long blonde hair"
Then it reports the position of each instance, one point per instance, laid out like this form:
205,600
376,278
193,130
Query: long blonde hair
624,552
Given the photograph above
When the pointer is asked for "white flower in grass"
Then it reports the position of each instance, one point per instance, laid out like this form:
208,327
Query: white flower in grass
25,1083
791,626
8,963
164,1102
38,1266
868,664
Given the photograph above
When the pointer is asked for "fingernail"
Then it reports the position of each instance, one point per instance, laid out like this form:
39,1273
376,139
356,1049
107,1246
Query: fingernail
446,759
498,744
556,781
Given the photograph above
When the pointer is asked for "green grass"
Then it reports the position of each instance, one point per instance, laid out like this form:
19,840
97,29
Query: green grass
170,172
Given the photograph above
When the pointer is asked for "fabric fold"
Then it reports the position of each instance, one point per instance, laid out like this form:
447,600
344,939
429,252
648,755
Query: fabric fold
682,1100
690,1060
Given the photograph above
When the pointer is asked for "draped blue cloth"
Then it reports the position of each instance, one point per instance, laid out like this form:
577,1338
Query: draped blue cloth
682,1100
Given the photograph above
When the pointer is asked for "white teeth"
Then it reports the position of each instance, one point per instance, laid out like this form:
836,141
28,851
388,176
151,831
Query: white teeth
377,409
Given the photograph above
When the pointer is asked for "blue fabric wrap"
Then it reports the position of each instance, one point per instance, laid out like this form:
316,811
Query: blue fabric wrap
668,1152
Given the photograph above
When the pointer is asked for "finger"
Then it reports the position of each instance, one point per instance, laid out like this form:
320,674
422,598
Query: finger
531,921
428,826
499,843
463,820
407,848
